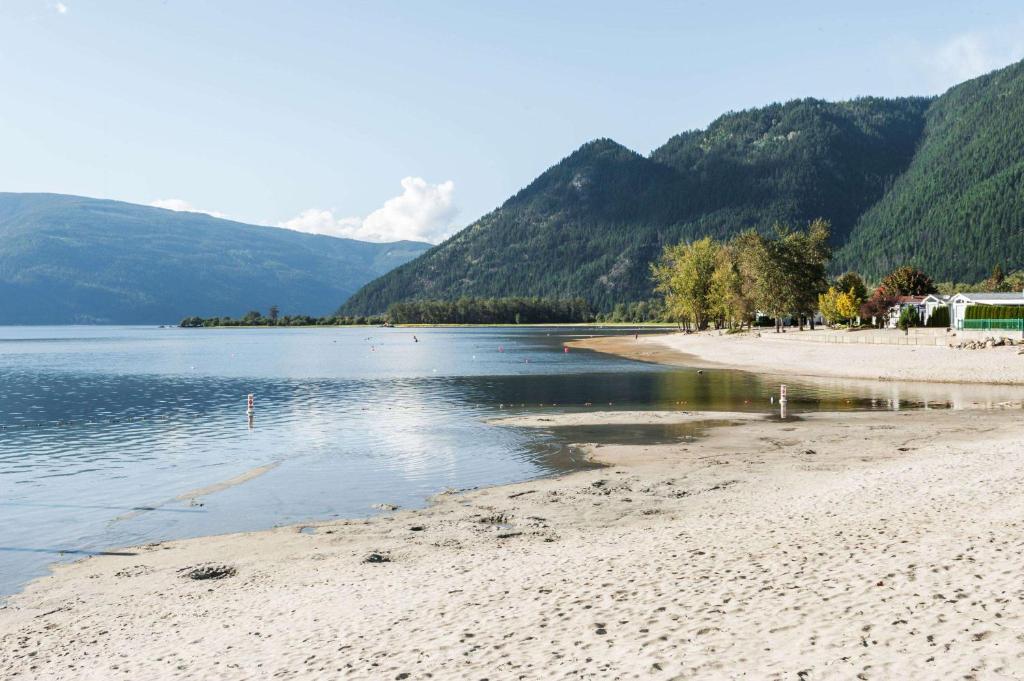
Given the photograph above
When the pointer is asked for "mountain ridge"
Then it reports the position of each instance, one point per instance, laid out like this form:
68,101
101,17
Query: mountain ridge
590,224
73,259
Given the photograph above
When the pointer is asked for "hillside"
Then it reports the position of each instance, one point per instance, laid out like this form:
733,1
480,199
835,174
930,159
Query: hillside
590,225
68,259
959,208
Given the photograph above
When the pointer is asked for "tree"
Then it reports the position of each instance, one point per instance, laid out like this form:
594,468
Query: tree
853,283
731,303
836,305
908,281
909,317
996,281
848,304
272,313
810,257
683,274
879,306
787,269
764,266
828,305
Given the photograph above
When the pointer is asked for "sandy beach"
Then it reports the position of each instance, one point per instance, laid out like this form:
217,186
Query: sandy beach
862,545
795,355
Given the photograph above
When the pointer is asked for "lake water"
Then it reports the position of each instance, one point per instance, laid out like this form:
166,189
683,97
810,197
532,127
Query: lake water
106,433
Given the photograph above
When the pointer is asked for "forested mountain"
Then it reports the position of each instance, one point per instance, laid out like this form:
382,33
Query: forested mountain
959,208
590,225
934,182
69,259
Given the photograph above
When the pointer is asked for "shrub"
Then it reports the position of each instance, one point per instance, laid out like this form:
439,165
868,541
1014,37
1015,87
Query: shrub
939,317
994,312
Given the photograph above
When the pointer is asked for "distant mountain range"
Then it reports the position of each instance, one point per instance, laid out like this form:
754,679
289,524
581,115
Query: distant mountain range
936,182
69,259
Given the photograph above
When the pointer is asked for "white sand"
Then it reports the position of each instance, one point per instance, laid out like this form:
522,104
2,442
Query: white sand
789,354
872,546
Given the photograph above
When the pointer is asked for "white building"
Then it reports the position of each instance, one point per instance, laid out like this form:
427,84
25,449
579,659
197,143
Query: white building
918,302
958,304
932,301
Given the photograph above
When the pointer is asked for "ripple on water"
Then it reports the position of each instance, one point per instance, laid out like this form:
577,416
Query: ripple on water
100,423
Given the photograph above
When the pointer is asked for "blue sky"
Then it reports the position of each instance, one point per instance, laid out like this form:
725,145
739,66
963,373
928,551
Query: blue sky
389,120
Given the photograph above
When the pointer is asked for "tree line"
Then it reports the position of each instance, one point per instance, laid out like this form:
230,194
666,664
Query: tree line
492,311
751,279
273,318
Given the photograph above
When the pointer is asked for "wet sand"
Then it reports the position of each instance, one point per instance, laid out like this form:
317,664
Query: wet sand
857,545
194,495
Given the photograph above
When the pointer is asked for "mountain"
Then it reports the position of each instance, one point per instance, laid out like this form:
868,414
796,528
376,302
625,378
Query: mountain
959,208
70,259
590,225
933,182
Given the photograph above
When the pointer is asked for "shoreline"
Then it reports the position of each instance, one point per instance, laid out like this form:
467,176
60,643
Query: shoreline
745,550
584,325
772,355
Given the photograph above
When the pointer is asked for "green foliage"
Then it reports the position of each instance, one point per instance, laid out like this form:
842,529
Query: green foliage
939,318
994,312
726,283
936,183
637,312
878,307
908,281
68,259
287,320
853,283
684,275
909,317
959,206
491,311
591,225
837,305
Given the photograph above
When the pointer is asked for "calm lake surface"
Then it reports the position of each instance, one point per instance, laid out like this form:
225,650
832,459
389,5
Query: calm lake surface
107,433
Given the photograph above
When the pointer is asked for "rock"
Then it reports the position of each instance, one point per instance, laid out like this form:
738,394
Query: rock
209,571
377,557
386,507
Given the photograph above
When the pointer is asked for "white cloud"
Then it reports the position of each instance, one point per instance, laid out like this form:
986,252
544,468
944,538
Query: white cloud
422,212
970,54
61,8
182,205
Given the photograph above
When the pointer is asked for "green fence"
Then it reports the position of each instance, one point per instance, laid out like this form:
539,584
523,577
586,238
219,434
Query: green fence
1012,324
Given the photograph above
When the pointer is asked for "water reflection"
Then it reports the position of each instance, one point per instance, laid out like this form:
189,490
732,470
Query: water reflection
97,422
